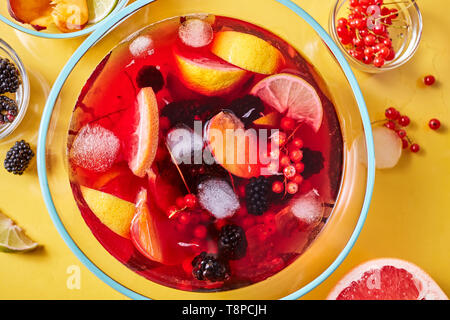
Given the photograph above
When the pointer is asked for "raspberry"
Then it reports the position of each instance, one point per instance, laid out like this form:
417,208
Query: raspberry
313,161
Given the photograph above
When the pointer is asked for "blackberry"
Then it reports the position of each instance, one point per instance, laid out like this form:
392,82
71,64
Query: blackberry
256,195
248,108
187,111
150,76
313,161
208,267
8,110
9,76
18,157
232,243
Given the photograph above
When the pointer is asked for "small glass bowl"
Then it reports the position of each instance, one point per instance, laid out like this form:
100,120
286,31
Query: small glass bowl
55,34
404,40
22,96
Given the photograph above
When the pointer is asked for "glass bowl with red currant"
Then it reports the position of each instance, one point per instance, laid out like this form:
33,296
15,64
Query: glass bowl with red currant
376,35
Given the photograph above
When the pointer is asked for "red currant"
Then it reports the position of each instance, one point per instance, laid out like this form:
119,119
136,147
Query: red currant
342,22
387,42
299,167
434,124
184,218
292,188
401,133
392,113
297,142
404,121
405,143
285,161
429,80
289,172
296,155
180,202
379,29
277,187
368,52
298,179
369,40
190,200
415,148
200,231
385,52
390,125
378,62
287,124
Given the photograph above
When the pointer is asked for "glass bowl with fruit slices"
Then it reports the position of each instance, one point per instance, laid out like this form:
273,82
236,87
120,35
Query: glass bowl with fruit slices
376,35
14,90
58,19
189,152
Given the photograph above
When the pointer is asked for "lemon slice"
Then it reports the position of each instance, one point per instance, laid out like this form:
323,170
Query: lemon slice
13,238
100,9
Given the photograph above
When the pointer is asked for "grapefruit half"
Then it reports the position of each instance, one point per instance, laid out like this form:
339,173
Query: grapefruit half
387,279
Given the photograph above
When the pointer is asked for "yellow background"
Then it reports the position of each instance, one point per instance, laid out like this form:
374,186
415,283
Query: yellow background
410,213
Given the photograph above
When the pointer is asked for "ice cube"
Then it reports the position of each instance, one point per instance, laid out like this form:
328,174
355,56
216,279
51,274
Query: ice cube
95,148
183,143
308,208
141,45
218,197
196,33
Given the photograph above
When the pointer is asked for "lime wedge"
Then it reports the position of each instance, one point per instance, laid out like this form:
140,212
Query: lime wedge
99,9
13,238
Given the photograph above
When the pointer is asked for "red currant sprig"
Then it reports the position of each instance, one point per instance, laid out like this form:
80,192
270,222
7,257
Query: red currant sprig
398,122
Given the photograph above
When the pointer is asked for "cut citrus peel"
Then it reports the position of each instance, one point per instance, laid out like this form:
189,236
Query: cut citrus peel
146,237
247,51
113,212
292,95
387,279
228,141
13,238
146,135
207,74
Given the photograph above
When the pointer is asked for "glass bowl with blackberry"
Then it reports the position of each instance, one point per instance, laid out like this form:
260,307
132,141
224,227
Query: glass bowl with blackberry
14,90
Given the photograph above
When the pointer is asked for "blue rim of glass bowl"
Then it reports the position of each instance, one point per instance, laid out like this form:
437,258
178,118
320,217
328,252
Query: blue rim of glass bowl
120,5
92,39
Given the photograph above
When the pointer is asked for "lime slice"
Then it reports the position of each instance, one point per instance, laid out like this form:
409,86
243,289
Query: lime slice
13,238
99,9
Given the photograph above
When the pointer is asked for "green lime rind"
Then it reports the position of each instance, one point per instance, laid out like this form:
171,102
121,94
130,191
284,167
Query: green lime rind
13,238
100,9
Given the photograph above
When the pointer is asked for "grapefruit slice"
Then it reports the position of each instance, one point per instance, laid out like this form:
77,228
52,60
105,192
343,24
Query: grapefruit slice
144,140
293,95
148,237
387,279
207,74
247,51
113,212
